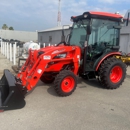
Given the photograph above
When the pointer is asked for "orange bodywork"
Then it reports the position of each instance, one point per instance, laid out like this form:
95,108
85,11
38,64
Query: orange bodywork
48,60
106,14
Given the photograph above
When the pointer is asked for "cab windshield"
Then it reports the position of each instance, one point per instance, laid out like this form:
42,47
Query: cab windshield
78,33
103,32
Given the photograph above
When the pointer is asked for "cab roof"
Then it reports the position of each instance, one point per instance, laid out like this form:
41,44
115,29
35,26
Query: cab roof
102,15
105,14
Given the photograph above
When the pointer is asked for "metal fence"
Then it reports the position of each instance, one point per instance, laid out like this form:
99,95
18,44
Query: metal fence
12,51
9,50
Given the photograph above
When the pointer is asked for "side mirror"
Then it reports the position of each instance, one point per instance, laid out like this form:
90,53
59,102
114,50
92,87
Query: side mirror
88,29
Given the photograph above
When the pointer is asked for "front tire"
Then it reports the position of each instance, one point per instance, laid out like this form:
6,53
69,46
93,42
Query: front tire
112,73
65,83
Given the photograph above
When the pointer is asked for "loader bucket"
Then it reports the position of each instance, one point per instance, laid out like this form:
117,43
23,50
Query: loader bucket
11,96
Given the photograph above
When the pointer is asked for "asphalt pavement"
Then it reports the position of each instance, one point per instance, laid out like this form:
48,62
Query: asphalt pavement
90,107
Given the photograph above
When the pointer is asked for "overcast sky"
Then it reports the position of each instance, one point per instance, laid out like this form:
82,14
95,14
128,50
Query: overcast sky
32,15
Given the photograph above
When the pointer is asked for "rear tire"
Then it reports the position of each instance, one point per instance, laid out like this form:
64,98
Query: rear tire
65,83
112,73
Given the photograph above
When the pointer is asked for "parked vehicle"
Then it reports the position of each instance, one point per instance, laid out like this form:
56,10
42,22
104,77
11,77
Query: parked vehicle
90,52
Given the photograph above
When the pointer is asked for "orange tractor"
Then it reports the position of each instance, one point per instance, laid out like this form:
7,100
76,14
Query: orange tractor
89,52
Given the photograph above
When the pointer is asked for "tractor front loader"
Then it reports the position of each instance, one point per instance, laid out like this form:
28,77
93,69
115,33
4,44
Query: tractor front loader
11,96
90,52
47,64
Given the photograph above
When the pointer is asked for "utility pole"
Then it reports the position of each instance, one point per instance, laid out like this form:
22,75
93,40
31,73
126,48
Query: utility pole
59,14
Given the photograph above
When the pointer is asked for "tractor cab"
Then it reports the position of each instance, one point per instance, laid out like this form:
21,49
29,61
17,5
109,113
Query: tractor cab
97,34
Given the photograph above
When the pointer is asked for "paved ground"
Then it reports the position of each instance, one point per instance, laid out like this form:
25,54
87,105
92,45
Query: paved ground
90,107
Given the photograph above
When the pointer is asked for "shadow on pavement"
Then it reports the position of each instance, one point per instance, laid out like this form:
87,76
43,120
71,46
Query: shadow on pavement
93,83
127,76
81,83
49,87
51,91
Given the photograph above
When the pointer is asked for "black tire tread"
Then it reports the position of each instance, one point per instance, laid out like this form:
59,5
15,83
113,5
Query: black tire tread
59,79
103,72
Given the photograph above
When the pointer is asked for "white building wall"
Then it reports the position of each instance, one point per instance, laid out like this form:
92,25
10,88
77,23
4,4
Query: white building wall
124,43
125,39
19,35
44,37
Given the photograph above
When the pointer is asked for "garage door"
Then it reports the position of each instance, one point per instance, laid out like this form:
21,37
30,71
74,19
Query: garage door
124,38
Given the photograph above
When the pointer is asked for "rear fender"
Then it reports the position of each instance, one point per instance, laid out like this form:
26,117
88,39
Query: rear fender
103,57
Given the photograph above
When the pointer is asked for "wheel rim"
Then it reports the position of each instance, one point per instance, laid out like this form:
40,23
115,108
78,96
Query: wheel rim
67,84
116,74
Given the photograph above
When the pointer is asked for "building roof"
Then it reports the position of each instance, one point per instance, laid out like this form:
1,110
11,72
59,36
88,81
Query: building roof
56,28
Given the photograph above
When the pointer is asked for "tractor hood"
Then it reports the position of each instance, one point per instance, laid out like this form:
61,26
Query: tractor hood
56,52
53,49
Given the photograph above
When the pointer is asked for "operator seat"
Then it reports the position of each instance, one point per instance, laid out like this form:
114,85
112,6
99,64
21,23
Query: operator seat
98,50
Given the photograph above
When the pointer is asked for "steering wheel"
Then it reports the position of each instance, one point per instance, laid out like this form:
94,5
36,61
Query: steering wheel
62,42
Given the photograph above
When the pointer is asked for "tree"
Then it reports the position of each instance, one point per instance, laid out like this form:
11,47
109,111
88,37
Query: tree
11,28
4,27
